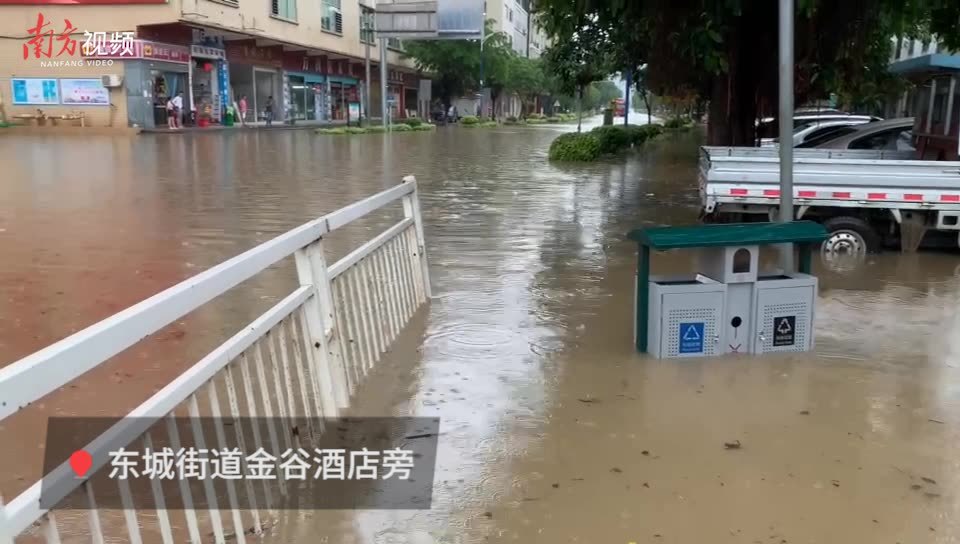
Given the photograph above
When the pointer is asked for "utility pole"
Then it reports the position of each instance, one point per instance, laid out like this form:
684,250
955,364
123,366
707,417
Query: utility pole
383,84
366,85
786,126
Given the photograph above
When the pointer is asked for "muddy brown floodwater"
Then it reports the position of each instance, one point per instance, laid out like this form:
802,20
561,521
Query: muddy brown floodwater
553,428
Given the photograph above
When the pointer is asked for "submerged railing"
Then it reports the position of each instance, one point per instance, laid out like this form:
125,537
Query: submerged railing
301,359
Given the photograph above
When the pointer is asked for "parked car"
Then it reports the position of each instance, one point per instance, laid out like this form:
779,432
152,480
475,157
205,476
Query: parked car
889,135
767,128
816,128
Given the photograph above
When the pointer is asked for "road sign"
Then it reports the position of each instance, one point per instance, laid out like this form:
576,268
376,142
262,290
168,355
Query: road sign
430,19
691,337
784,329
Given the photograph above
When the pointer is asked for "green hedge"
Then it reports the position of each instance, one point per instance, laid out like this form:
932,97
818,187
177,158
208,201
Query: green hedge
356,130
575,146
424,127
401,128
612,138
677,123
536,120
413,122
470,120
554,119
376,129
642,133
337,130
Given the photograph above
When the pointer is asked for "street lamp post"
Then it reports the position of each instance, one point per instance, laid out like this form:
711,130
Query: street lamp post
483,38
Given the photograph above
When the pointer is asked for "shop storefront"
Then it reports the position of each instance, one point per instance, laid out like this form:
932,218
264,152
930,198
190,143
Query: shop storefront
209,88
255,72
344,98
153,74
305,88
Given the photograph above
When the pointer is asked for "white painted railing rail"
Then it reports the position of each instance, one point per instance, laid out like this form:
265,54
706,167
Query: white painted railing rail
302,358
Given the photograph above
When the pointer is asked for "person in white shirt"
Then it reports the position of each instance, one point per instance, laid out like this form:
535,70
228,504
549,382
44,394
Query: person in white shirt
177,103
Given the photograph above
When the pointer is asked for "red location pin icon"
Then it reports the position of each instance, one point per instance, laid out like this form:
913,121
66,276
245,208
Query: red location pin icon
81,461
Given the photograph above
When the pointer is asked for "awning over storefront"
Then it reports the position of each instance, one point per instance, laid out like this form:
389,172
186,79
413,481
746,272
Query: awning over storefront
926,64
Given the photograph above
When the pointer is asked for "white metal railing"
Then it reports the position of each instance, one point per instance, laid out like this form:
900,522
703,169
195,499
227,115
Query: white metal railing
302,358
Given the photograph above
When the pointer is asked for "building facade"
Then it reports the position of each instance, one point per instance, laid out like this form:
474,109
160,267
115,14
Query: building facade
119,61
514,19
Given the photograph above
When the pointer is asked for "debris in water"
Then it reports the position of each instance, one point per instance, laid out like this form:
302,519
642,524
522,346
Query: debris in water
935,421
875,521
577,479
916,486
416,436
644,452
928,480
645,484
589,400
836,483
804,412
556,486
931,495
615,469
489,515
735,445
657,535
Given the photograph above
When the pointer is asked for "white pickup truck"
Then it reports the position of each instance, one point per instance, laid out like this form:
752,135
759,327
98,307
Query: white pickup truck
865,199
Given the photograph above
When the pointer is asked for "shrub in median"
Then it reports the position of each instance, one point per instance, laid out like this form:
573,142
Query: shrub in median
376,129
401,128
356,130
536,120
337,130
553,119
575,146
675,123
412,122
424,127
641,133
469,120
612,138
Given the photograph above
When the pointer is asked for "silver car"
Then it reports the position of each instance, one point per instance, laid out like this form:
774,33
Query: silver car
815,128
892,134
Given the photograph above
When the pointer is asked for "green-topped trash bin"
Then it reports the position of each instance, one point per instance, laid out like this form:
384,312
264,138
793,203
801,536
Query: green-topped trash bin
727,305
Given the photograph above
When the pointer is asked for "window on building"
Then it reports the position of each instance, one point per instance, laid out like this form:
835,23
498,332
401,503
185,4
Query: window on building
510,15
395,43
332,20
286,9
366,25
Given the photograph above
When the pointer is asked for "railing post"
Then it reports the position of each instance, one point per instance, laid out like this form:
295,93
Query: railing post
411,208
312,271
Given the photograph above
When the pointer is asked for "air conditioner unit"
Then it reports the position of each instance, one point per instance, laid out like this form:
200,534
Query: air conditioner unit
111,80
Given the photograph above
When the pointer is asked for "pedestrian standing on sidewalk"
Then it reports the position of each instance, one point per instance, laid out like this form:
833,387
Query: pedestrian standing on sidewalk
177,109
243,110
171,114
268,109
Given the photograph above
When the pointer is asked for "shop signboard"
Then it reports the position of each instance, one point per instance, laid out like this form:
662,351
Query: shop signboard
141,49
251,54
84,92
354,109
35,91
207,52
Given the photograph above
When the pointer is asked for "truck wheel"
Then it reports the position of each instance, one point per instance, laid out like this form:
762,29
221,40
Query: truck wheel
849,236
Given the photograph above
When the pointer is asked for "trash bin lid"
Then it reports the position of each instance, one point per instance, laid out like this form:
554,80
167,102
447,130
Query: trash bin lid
734,234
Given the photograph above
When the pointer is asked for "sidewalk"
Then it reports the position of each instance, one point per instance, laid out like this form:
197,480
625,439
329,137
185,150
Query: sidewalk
299,125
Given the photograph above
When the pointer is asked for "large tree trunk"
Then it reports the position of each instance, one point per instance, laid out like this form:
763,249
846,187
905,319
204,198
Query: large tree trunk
752,74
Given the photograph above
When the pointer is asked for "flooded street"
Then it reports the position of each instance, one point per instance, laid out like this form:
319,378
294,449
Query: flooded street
553,429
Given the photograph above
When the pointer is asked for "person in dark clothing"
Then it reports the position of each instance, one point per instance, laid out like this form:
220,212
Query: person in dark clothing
268,110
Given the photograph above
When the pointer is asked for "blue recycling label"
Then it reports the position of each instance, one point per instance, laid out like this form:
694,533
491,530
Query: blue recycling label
691,337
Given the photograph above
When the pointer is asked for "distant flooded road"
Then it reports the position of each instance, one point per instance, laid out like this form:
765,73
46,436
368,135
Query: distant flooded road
553,428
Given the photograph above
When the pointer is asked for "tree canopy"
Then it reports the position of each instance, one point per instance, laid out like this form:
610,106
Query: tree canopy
726,50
